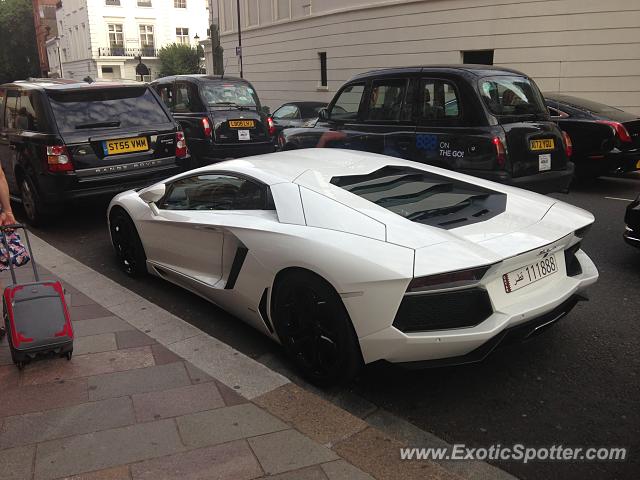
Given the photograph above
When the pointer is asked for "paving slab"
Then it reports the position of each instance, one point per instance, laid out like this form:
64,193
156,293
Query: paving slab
64,422
230,461
177,401
96,326
133,338
9,376
115,473
107,448
5,355
34,398
17,463
88,311
226,424
142,380
162,355
104,342
341,470
231,397
196,375
78,299
49,370
379,455
310,414
288,450
310,473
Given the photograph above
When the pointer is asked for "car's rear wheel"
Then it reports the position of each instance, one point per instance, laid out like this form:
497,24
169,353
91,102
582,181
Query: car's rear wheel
126,243
31,203
315,329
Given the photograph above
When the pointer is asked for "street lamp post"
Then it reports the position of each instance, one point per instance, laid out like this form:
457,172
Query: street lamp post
239,37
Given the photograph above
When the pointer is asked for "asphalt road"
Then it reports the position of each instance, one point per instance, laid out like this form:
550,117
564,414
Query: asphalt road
576,385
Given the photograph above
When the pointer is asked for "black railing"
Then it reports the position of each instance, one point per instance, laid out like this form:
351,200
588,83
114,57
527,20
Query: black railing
116,51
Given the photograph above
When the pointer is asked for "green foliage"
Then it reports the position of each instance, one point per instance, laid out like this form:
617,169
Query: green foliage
178,59
18,51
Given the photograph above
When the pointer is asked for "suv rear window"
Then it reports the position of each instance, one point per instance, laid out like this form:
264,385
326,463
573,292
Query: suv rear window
103,108
424,197
511,96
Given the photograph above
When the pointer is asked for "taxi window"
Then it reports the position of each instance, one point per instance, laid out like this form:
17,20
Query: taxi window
347,105
439,100
386,100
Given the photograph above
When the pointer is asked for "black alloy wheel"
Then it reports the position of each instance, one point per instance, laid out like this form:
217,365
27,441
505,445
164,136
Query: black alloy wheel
126,244
30,202
314,327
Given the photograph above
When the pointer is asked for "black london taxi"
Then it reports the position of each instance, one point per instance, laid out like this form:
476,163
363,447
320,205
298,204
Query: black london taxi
62,140
477,119
221,116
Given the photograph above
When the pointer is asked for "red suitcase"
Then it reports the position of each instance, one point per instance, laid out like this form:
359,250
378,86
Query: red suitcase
36,316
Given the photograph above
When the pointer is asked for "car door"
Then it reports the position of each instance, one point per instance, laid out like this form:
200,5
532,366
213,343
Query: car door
4,140
344,119
9,135
388,125
188,241
189,111
447,134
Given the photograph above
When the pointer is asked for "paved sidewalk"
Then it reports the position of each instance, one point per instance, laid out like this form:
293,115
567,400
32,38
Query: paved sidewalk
128,407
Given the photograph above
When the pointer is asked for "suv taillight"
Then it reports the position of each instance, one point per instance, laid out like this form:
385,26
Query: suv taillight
58,159
568,144
272,126
619,129
501,153
181,145
206,127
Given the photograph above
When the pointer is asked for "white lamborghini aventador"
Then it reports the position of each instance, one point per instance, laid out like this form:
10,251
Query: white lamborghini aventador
348,257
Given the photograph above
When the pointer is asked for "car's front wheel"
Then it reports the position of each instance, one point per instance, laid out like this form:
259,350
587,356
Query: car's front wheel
315,329
126,243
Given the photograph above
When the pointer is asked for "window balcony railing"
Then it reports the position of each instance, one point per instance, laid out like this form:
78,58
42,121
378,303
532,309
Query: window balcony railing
112,2
144,3
116,51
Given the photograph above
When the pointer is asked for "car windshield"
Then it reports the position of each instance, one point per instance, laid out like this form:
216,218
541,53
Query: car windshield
229,94
424,197
511,96
105,108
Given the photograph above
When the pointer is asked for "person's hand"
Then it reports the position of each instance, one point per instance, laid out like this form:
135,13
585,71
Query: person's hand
7,218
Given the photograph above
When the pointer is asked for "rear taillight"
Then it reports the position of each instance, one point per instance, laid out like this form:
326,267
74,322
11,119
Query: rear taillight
443,281
272,126
206,127
619,129
58,159
181,145
501,154
568,144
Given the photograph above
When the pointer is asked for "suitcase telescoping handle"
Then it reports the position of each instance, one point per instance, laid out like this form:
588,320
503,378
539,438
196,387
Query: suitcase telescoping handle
7,228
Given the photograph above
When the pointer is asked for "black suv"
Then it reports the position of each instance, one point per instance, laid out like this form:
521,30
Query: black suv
221,116
62,140
484,121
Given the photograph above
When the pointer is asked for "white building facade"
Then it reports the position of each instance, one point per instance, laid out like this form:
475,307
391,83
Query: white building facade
109,38
587,48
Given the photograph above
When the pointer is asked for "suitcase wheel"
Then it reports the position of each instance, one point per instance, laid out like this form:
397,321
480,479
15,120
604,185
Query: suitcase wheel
20,365
69,355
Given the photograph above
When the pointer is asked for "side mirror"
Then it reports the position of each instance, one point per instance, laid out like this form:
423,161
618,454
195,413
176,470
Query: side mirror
323,115
153,193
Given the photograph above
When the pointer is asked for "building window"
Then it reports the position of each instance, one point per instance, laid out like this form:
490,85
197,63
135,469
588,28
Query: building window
323,68
479,57
116,37
252,7
144,3
283,9
112,2
179,3
146,40
182,36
